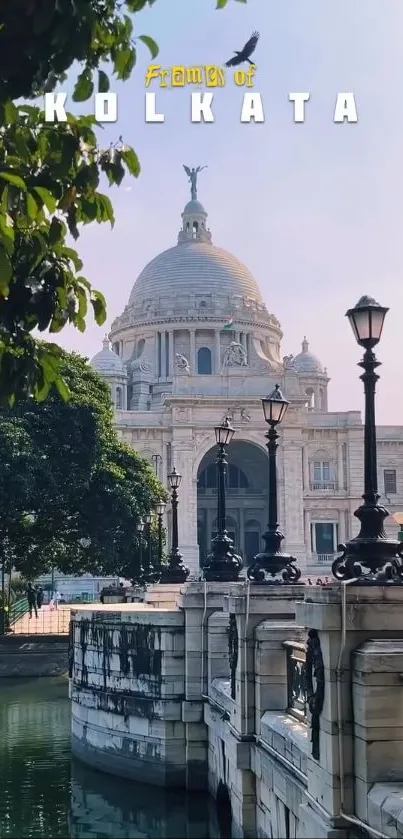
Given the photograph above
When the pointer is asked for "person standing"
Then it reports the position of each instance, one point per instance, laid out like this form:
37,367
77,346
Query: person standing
31,597
39,597
57,599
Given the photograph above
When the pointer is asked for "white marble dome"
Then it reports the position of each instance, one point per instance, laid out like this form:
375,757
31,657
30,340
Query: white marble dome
106,362
194,267
306,362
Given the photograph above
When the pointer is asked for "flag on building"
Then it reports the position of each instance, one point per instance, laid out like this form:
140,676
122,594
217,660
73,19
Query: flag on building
230,323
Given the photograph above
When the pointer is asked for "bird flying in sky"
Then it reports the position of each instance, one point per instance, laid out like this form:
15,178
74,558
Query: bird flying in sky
244,54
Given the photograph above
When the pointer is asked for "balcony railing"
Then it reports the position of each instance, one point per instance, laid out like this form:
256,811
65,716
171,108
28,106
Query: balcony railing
296,685
323,486
323,559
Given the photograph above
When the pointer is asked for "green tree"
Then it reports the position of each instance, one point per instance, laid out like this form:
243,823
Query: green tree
50,174
71,494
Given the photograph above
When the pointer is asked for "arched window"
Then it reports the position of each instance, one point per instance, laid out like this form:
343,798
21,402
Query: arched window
235,478
311,398
204,361
119,398
195,229
187,227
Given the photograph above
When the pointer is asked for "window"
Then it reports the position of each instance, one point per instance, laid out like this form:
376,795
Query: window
389,481
204,361
119,400
324,537
322,475
234,479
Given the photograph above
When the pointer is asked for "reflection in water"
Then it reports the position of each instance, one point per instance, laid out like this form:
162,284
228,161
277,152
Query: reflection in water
44,793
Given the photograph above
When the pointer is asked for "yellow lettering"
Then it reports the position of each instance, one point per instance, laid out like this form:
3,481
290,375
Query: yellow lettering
177,76
164,74
250,75
153,72
214,76
240,77
194,75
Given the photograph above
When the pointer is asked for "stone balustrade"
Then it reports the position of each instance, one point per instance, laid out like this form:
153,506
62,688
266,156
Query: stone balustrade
288,697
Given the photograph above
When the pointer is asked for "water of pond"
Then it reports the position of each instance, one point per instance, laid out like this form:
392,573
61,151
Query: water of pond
46,793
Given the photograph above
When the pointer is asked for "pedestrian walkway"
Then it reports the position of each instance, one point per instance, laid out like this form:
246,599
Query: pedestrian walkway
48,622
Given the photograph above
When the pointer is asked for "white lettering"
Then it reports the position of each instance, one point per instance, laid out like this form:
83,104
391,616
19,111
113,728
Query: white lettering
252,108
151,113
106,107
346,109
299,100
54,107
201,107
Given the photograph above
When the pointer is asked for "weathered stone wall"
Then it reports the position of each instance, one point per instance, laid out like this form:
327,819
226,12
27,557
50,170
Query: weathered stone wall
127,693
209,693
25,656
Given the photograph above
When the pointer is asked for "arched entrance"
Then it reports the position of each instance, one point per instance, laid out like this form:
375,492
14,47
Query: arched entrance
246,497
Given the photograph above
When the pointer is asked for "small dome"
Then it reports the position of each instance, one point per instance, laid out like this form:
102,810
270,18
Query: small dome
106,362
194,207
306,362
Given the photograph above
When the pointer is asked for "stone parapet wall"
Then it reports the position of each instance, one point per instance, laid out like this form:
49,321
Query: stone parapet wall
212,692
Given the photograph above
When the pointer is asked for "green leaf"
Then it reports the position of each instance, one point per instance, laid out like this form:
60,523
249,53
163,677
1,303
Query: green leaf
32,208
124,62
6,272
46,197
150,43
221,4
98,303
11,178
56,231
84,87
62,389
103,82
129,157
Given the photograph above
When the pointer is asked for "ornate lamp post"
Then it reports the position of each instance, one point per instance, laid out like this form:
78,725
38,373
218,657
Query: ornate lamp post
160,510
222,564
272,561
371,549
175,571
140,531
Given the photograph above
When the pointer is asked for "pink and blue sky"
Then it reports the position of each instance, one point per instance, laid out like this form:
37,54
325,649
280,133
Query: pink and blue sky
313,210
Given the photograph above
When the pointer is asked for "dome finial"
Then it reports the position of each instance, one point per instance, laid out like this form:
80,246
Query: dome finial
105,342
192,175
305,345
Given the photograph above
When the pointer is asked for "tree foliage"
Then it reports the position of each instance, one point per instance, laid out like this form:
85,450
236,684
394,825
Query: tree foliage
71,494
50,174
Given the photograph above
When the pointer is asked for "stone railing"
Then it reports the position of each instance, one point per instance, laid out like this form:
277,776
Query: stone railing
296,683
323,486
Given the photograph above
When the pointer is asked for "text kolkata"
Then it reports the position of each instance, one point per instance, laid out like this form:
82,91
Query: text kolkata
202,107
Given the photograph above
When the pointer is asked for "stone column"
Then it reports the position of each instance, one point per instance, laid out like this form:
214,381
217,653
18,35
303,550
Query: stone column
291,480
305,462
157,344
171,352
217,364
339,476
182,459
192,359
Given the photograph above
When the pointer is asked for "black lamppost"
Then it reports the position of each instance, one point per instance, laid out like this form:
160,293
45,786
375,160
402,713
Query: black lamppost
175,571
140,531
223,564
272,561
371,549
160,510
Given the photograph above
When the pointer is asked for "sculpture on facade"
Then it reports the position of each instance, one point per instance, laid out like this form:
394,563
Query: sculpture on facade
192,175
182,363
235,354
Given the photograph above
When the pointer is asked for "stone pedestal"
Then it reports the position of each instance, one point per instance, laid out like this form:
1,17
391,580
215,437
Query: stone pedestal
357,745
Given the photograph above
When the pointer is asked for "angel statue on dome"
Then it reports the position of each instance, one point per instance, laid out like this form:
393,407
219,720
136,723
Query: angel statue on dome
192,175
